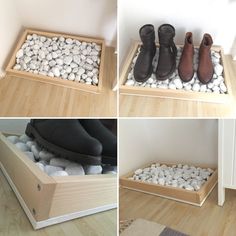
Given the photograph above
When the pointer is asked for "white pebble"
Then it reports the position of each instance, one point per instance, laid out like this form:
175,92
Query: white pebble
129,82
178,83
196,87
20,53
30,155
22,146
61,162
138,171
92,169
172,86
68,60
35,149
17,67
203,88
69,41
71,76
218,69
52,169
56,72
45,155
13,139
75,169
59,173
40,165
223,87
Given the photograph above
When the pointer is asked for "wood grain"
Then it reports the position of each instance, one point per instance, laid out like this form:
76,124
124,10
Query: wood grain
85,193
13,220
23,97
208,220
24,173
141,106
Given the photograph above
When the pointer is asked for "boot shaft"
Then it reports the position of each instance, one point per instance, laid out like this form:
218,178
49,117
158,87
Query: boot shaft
206,44
188,48
166,34
147,35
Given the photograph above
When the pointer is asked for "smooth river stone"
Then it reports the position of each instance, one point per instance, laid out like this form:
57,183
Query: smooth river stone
13,139
75,169
22,146
61,162
92,169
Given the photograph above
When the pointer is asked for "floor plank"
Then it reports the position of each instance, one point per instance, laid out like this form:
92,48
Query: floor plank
27,98
208,220
13,220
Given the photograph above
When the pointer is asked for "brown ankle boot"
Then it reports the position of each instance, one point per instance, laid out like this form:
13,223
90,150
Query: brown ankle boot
185,67
205,67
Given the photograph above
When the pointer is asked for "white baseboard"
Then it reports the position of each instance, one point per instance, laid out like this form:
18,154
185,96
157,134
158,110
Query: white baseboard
54,220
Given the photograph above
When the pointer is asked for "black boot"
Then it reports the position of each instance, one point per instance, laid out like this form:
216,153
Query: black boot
108,140
167,52
143,65
66,138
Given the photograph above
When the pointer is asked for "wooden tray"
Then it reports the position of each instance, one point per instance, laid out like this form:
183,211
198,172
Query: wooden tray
57,81
170,93
196,198
50,200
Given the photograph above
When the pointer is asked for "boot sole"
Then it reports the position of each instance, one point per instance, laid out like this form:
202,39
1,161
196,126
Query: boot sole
143,81
109,160
73,156
167,76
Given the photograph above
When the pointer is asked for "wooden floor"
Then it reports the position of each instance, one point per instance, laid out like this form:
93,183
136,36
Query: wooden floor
159,107
23,97
13,220
208,220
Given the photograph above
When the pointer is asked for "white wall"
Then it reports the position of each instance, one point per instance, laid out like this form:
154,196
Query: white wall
9,28
12,126
95,18
169,140
213,16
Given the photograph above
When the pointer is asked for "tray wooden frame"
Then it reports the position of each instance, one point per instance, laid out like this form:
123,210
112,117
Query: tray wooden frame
45,199
57,81
170,93
196,198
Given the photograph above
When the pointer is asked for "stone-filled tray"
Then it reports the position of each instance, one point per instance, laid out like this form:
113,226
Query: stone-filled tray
71,63
163,90
49,200
193,196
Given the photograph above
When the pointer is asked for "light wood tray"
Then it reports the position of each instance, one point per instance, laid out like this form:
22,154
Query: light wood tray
196,198
57,81
170,93
50,200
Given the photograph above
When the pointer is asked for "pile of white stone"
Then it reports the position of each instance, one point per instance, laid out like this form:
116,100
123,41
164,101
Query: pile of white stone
51,164
60,57
179,176
216,85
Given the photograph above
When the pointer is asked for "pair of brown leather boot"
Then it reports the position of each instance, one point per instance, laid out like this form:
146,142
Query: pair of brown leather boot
205,69
167,53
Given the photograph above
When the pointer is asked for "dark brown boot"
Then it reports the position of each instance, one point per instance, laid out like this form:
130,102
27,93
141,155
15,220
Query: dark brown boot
205,67
143,65
167,52
185,67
